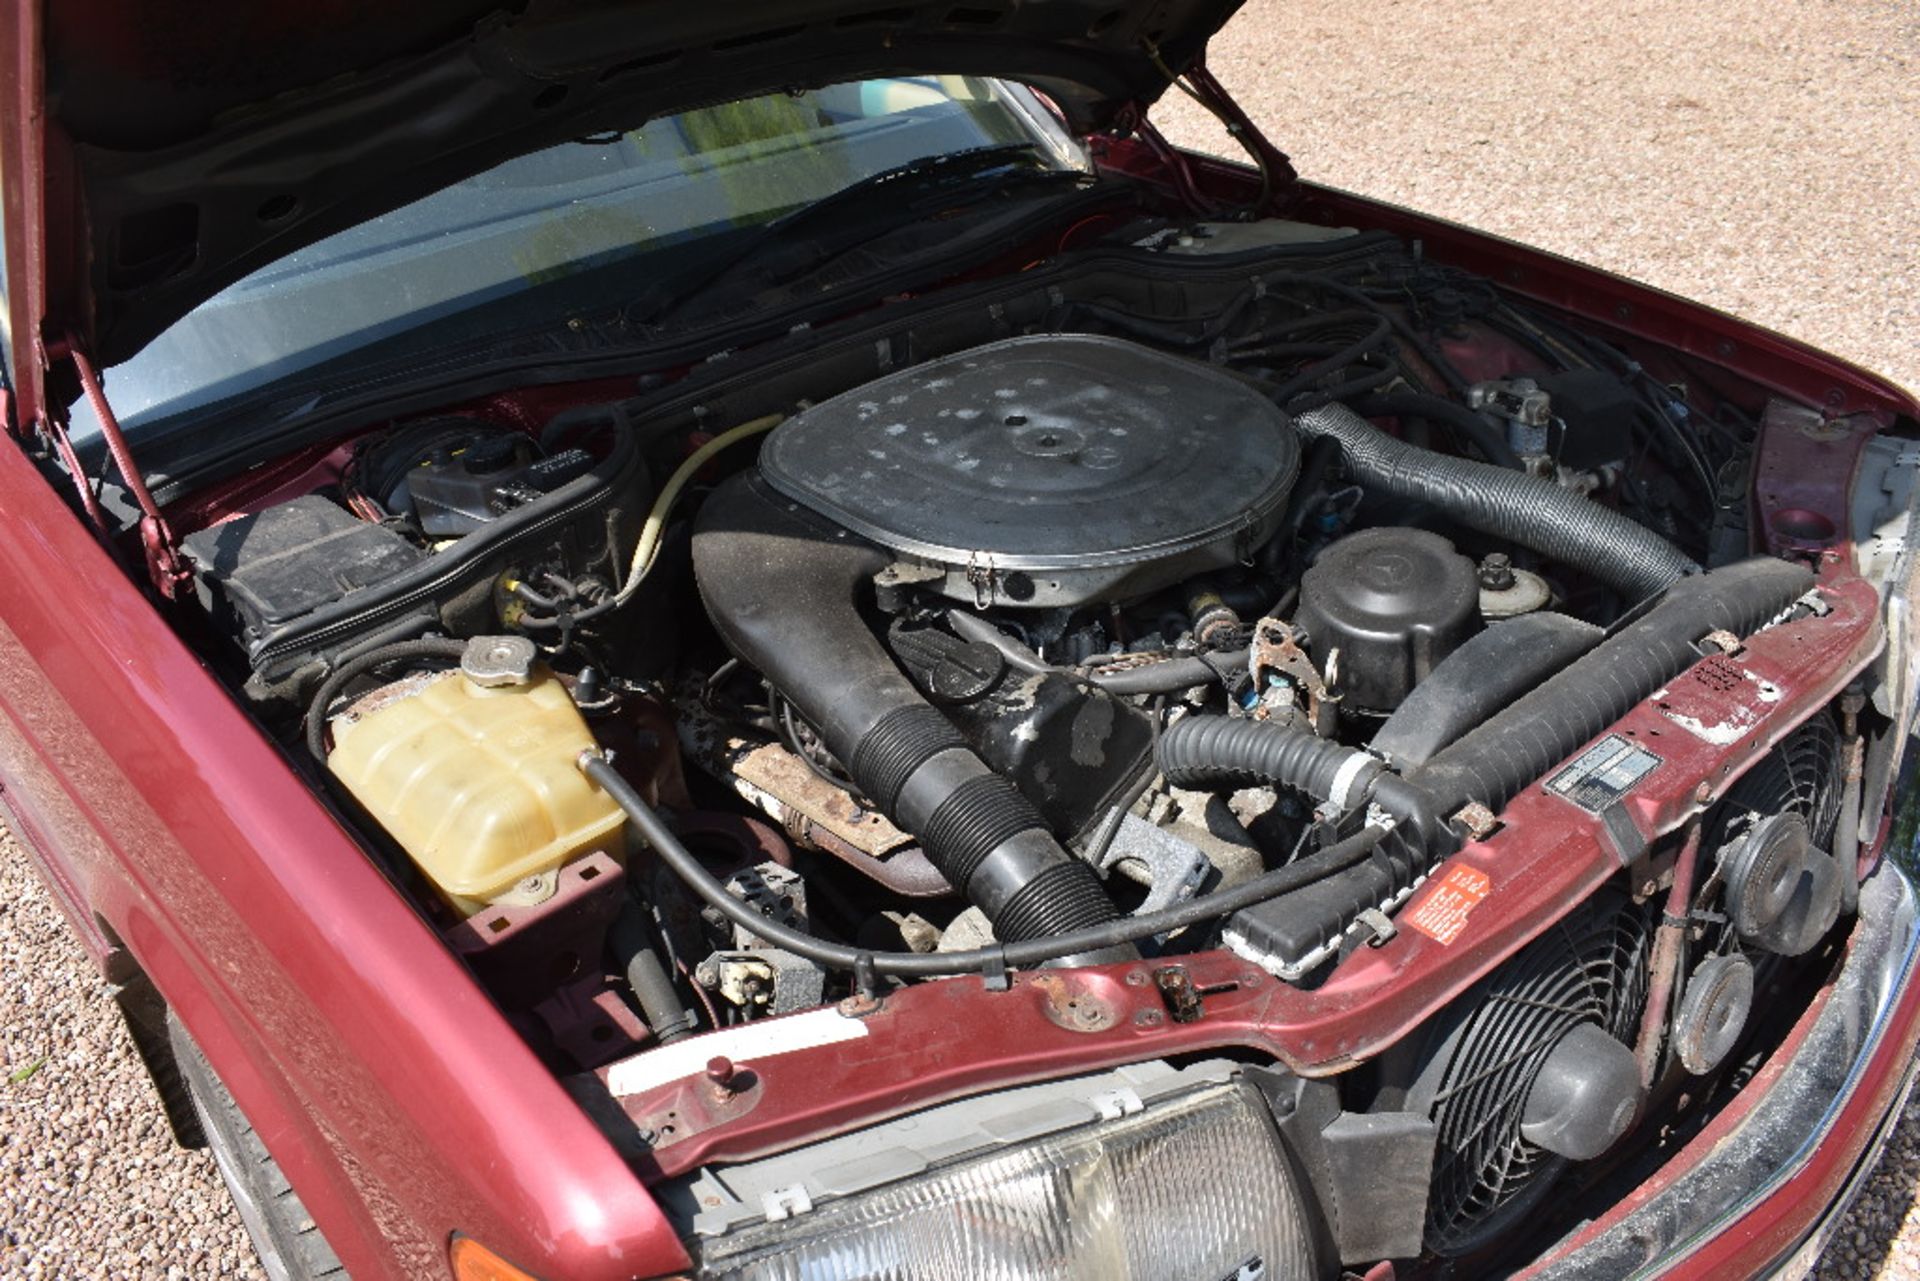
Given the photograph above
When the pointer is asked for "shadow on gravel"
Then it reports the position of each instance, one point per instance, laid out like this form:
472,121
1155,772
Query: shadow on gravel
1869,1243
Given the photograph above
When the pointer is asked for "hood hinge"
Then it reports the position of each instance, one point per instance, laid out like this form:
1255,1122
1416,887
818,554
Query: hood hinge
1198,83
165,567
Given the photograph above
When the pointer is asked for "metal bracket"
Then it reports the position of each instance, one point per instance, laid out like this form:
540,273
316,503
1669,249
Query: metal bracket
1383,928
1177,990
993,975
1722,642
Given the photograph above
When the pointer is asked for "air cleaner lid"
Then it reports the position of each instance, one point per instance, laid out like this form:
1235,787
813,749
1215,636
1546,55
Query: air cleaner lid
1046,470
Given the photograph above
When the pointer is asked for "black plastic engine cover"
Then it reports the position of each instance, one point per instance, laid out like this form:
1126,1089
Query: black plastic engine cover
1070,747
1393,603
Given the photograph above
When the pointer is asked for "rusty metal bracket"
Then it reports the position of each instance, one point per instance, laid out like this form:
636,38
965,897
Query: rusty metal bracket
1182,997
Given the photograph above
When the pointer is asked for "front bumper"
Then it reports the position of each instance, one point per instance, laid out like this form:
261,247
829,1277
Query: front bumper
1759,1192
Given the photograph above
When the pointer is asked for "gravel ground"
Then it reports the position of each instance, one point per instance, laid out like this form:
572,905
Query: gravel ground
1758,156
91,1184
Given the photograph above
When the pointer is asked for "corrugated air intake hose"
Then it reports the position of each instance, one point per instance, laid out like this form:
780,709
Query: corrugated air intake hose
784,588
1528,510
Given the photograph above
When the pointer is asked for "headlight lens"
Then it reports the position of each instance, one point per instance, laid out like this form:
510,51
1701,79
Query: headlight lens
1197,1187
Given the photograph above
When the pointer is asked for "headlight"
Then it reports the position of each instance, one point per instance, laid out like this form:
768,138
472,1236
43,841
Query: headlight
1195,1188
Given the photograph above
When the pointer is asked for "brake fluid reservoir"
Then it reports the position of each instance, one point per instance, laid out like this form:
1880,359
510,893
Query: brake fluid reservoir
473,773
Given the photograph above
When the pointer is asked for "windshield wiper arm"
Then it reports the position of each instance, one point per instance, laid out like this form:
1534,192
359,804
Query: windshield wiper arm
955,168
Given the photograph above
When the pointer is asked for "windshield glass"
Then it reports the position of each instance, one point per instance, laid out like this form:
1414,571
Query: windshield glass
581,209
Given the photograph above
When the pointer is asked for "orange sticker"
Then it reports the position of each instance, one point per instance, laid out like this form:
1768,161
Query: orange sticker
1442,914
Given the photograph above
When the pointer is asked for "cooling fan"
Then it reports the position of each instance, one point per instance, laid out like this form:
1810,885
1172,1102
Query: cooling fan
1801,776
1583,986
1786,808
1589,971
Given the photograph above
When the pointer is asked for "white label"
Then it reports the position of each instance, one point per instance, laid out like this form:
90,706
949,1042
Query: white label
744,1045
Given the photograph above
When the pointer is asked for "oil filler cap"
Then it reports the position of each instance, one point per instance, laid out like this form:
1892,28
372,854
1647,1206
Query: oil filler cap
494,661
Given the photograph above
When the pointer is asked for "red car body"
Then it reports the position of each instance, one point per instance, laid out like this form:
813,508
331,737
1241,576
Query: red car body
398,1100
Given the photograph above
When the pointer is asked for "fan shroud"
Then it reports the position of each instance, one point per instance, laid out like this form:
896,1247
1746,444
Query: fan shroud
1591,966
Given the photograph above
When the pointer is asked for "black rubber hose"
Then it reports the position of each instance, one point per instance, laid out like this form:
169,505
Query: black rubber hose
1519,744
1170,675
1224,752
1340,358
1437,362
784,588
1168,333
972,627
631,939
1094,940
1487,672
1487,438
436,647
1529,510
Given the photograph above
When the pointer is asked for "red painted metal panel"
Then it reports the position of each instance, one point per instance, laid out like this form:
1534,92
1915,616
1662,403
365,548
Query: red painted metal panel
943,1040
397,1098
23,200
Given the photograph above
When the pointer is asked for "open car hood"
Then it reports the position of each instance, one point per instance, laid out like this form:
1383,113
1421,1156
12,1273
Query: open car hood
193,144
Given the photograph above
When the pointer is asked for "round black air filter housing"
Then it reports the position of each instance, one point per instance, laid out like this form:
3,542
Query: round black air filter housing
1044,471
1386,605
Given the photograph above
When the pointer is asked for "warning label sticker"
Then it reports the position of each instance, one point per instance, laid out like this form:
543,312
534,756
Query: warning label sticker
1442,914
1603,773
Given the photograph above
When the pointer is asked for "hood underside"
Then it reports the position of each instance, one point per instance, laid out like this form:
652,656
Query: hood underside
208,140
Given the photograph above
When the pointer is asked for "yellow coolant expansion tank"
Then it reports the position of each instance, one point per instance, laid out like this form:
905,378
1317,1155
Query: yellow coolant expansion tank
474,774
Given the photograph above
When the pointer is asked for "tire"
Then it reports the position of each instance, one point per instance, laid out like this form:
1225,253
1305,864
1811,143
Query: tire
285,1236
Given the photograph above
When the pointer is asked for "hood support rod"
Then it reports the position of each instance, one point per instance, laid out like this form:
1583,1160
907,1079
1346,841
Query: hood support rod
165,567
1214,94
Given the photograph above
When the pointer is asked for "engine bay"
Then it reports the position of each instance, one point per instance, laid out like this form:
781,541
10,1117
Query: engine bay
1200,614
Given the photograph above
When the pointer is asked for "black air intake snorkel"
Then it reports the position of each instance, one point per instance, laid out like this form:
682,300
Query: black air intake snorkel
783,586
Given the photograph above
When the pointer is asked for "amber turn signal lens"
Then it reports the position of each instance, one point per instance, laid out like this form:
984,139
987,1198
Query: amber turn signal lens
474,1262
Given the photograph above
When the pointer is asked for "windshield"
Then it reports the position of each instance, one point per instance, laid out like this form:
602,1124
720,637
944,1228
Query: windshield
578,210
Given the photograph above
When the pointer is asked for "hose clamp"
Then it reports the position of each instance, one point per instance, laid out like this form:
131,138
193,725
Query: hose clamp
1341,794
